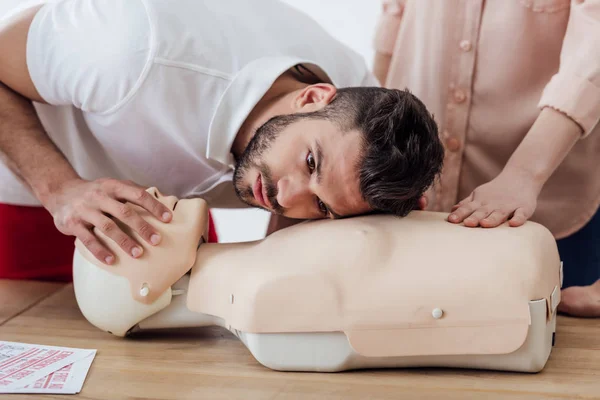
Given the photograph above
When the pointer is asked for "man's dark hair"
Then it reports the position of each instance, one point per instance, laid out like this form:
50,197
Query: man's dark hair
401,153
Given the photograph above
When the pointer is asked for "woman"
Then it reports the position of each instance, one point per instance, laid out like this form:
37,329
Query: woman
515,89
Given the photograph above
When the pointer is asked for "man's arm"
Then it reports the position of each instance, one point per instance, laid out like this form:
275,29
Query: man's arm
76,205
20,128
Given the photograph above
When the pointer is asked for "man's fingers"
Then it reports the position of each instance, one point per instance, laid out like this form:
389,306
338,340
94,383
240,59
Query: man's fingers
519,218
474,219
110,228
496,218
126,213
142,198
92,243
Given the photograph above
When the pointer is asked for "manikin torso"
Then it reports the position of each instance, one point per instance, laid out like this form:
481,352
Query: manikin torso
402,268
444,289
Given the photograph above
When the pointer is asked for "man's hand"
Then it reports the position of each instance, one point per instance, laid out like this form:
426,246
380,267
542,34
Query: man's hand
513,194
78,206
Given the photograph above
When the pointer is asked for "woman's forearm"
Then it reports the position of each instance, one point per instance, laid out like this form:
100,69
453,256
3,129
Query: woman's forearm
381,66
545,146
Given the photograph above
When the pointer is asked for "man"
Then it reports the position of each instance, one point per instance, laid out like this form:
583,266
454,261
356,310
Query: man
176,94
515,87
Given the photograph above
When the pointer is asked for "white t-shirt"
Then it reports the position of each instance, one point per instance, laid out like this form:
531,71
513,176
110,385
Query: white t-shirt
155,91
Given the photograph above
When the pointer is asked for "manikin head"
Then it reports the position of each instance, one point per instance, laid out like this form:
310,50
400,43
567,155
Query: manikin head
139,287
342,152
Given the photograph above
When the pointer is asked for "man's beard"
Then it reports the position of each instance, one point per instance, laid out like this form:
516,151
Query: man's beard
252,158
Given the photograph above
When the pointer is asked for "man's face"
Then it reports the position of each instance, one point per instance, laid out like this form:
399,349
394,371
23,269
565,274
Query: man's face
306,170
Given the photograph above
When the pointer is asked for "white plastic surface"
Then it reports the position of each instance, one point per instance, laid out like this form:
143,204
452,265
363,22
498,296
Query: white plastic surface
110,293
177,315
331,352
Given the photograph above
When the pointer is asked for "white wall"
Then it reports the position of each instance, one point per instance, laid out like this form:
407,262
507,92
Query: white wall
350,21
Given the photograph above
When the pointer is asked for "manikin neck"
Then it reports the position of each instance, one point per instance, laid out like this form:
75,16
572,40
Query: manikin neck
177,314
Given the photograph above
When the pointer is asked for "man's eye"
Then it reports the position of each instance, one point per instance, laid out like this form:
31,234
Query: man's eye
322,206
310,161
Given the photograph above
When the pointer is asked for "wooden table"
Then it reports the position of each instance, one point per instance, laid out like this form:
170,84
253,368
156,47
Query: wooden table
18,296
212,364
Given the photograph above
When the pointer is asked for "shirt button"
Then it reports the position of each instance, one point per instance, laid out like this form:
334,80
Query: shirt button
459,96
465,45
452,144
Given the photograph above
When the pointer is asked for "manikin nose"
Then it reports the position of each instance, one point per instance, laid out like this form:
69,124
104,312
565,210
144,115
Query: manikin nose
290,192
168,201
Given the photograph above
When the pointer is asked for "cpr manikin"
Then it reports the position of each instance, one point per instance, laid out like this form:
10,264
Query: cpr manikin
365,292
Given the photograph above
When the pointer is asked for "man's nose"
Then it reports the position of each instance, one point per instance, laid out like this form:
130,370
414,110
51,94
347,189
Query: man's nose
290,192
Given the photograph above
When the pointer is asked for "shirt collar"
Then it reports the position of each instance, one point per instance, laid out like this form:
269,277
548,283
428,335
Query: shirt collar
248,86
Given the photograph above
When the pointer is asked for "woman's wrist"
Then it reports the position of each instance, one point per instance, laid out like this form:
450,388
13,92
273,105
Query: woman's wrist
544,147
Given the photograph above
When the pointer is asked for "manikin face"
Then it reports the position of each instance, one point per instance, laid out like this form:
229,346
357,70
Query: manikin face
162,265
116,297
180,237
306,170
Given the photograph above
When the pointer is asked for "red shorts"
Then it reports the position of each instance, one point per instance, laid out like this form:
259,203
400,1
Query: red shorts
32,248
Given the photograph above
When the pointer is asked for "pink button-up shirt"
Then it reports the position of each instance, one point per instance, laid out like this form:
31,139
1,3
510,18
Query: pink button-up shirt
485,69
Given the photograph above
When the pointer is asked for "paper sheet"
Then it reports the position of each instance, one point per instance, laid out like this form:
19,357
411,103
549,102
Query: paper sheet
27,368
67,380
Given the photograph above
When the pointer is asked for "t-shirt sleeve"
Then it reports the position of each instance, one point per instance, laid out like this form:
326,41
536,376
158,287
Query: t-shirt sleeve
92,54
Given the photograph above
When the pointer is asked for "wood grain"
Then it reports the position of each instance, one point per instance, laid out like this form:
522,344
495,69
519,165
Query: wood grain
212,364
17,296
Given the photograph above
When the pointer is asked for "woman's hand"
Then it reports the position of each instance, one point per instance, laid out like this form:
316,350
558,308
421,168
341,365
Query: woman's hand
510,196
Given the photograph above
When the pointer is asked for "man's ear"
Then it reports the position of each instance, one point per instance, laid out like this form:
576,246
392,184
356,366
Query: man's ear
314,97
